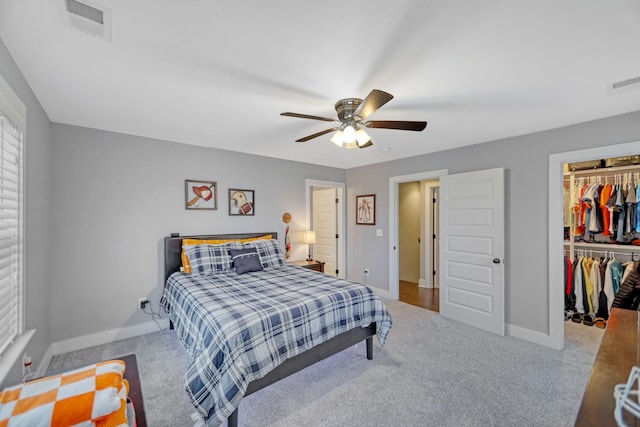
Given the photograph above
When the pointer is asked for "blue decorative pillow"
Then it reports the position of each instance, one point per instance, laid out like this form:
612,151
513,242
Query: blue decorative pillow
209,259
245,260
269,251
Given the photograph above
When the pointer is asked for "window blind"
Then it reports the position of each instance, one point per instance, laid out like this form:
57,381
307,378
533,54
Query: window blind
10,231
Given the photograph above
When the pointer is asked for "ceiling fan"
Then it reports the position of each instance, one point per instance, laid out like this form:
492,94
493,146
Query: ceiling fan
351,115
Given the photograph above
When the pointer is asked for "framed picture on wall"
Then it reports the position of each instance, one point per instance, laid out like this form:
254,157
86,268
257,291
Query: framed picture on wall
366,209
241,202
200,195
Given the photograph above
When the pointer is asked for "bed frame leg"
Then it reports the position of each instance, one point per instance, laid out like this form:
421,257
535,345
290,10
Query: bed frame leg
232,421
370,348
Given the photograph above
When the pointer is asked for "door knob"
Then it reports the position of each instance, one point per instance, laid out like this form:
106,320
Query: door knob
496,260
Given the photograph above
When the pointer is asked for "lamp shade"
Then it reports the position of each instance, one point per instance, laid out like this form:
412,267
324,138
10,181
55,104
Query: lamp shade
349,134
362,137
337,138
309,237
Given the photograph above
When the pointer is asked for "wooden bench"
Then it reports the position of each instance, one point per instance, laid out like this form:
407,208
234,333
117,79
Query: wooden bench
135,390
618,353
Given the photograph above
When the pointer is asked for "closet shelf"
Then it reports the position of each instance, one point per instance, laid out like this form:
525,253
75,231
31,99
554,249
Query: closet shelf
603,171
608,246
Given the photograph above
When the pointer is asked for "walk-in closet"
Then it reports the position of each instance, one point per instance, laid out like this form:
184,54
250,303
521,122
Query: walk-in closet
602,238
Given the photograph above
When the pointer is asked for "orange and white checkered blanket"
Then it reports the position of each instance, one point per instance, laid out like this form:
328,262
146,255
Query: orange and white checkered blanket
91,396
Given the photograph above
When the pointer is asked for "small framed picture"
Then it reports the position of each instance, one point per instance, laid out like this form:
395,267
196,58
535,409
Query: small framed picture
241,202
366,209
200,195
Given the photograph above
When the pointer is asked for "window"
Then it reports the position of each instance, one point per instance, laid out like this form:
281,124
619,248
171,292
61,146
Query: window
12,121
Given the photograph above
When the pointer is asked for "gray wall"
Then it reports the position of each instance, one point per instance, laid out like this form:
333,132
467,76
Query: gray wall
117,196
37,206
526,160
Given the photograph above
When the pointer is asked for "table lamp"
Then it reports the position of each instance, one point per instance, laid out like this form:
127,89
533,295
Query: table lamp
309,238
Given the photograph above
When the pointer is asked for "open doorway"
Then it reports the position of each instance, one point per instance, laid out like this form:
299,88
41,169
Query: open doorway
556,334
418,244
427,262
325,216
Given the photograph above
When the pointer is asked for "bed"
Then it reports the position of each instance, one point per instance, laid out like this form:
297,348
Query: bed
247,331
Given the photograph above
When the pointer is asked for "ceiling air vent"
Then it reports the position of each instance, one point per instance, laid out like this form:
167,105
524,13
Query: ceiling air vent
625,86
89,18
85,11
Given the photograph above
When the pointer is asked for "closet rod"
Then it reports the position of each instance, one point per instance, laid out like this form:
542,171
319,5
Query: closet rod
631,254
618,175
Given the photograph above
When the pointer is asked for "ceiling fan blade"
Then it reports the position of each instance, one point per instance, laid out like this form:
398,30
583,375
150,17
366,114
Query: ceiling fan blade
394,124
306,116
315,135
366,144
372,102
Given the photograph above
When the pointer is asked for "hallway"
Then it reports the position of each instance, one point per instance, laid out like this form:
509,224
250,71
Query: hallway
428,298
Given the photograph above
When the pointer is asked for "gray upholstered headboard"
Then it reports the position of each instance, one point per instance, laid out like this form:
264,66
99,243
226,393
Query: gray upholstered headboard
173,247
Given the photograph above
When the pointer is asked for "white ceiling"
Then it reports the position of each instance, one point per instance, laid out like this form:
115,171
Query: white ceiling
219,73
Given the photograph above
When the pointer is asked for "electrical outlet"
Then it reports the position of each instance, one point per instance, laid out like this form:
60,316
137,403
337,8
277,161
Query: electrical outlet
366,271
142,303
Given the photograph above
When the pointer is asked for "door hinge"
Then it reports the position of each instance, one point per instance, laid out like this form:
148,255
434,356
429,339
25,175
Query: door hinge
434,237
434,200
337,271
434,272
337,236
337,200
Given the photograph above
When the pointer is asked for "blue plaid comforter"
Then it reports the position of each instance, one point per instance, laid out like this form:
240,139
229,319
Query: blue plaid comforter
237,328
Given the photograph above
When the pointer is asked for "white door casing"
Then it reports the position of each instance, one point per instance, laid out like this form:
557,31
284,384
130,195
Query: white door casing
394,184
324,223
472,249
435,243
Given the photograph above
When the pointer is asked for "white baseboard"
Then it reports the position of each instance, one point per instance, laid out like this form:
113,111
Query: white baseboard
425,284
46,359
384,293
532,336
104,337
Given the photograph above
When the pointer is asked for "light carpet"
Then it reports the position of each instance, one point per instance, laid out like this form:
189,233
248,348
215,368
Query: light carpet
431,372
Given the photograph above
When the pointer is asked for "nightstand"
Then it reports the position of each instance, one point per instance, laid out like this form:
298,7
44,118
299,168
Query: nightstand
311,265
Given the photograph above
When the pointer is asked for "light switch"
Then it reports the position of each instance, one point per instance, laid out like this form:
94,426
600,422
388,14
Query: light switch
379,232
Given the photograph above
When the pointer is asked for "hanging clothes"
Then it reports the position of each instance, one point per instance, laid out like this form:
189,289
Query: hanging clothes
620,205
569,296
632,208
578,284
628,296
603,302
605,195
587,290
597,285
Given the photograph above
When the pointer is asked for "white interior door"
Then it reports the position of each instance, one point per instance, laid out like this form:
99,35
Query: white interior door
472,248
324,223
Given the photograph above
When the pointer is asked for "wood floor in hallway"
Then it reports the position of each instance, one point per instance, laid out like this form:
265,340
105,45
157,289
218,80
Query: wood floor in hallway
413,294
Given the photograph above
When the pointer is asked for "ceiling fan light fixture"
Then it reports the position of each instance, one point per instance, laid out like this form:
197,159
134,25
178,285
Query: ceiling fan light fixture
338,138
349,134
362,137
352,113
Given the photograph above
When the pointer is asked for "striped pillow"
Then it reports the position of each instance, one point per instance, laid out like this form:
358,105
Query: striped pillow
210,259
269,251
